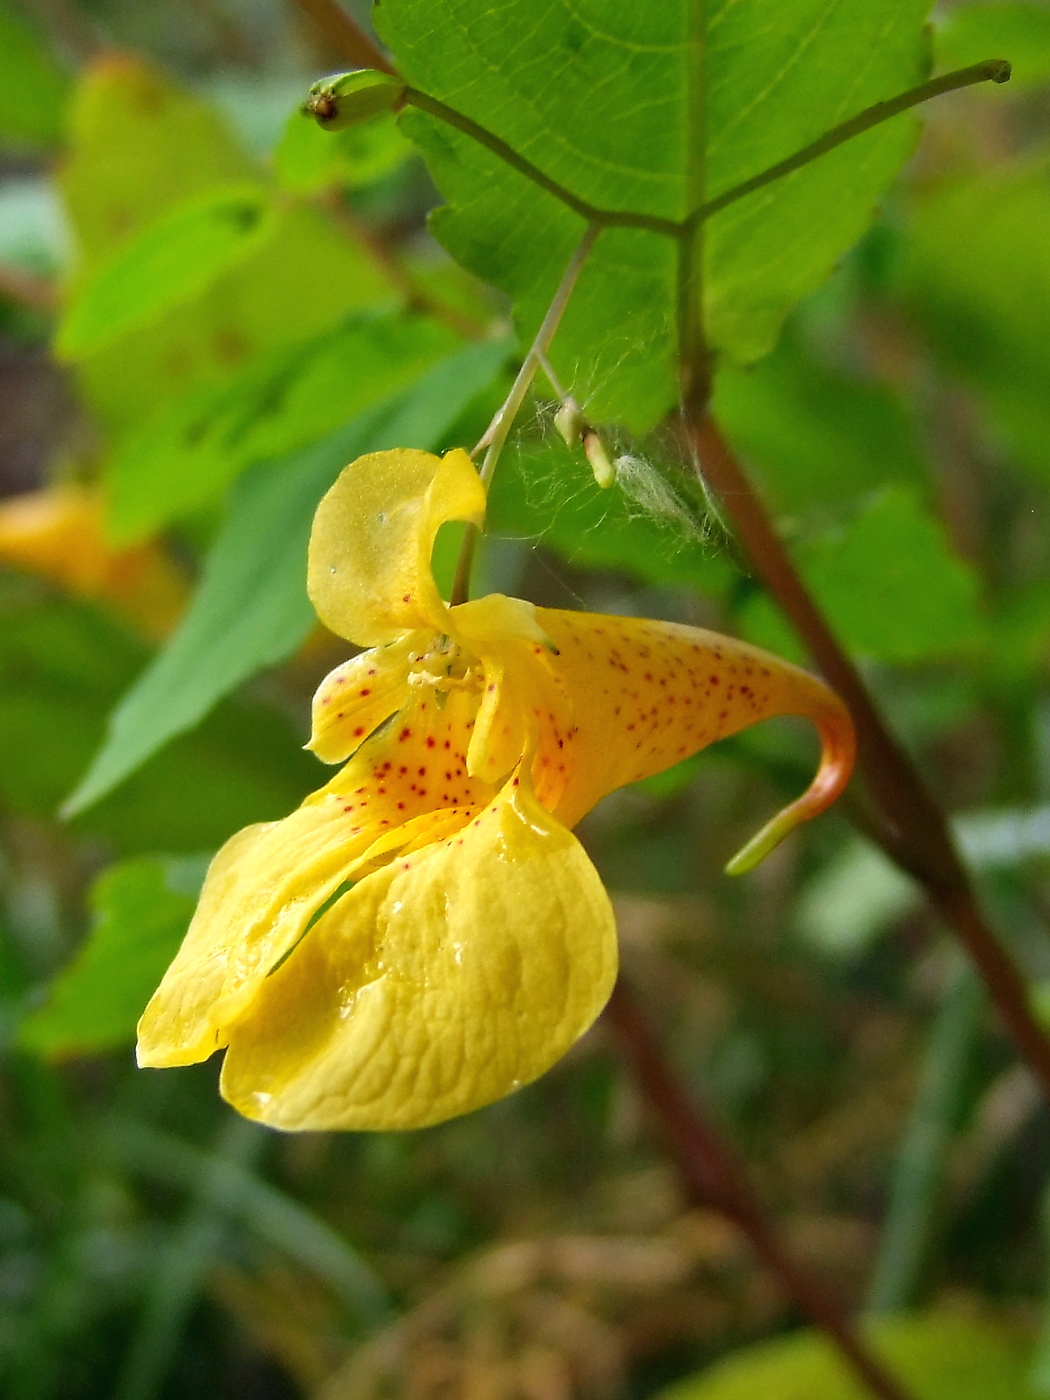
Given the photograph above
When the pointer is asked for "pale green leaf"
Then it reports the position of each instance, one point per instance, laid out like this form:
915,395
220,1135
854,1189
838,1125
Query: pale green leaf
169,262
191,450
141,911
937,1357
251,609
309,159
138,147
304,279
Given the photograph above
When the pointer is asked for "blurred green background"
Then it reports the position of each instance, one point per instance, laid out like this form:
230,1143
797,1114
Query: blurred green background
288,310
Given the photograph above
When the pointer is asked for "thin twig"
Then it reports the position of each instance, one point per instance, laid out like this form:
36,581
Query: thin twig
715,1175
915,832
417,297
27,289
495,435
992,70
345,35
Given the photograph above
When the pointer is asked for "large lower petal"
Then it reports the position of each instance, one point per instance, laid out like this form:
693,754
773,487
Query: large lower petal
437,984
268,882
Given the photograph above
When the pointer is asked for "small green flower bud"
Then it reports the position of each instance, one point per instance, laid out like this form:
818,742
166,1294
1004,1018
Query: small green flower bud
345,99
598,456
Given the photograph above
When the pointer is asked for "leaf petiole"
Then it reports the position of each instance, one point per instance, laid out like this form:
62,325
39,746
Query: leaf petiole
995,70
496,434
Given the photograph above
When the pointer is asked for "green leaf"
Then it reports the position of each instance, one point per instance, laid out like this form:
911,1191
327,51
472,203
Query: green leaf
309,159
938,1357
889,584
34,87
305,278
976,273
1016,30
140,147
651,524
191,450
251,609
814,439
170,261
141,910
62,669
611,101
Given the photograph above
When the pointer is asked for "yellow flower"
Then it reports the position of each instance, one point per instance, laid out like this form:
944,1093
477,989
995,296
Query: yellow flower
425,934
58,534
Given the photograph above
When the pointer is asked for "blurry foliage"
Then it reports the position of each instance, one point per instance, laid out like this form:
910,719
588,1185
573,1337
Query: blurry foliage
239,302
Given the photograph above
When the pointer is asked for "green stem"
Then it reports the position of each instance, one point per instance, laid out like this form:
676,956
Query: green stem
607,218
920,1165
693,357
496,435
994,70
913,830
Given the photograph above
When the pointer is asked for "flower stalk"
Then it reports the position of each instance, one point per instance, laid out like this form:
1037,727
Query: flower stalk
494,438
913,830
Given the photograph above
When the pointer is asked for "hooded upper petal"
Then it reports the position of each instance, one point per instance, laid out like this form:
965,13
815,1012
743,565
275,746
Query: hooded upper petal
439,983
368,572
646,695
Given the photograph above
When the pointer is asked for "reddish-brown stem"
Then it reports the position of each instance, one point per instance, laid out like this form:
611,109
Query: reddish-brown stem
27,289
417,297
345,35
714,1175
913,829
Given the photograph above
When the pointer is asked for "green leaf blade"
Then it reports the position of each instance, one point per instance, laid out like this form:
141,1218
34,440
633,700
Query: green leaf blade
168,262
141,910
251,610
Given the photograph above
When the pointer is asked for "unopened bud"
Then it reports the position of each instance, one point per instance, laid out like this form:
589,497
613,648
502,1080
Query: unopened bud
348,98
598,456
569,422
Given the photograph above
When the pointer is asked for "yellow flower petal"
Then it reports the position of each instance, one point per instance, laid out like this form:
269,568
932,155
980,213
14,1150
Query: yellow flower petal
357,697
522,703
268,881
58,534
648,694
369,571
437,984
